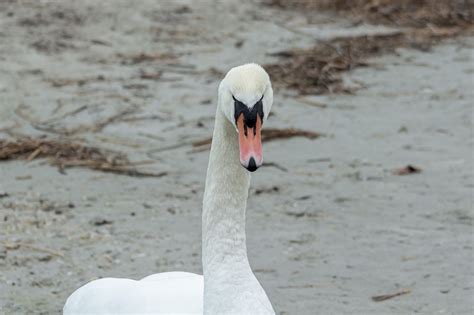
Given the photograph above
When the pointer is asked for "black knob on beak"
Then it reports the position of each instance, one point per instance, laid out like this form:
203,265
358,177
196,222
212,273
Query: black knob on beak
252,167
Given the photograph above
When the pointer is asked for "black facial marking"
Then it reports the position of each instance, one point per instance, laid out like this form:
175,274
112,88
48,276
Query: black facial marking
250,115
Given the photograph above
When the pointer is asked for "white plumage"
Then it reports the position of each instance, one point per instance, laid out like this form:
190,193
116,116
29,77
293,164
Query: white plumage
161,293
228,285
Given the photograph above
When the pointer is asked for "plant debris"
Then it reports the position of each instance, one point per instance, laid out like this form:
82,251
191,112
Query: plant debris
269,134
49,125
318,70
17,245
384,297
274,189
100,222
144,57
150,75
275,165
407,170
66,154
78,82
411,13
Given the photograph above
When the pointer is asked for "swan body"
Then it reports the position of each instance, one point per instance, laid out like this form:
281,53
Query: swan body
161,293
228,285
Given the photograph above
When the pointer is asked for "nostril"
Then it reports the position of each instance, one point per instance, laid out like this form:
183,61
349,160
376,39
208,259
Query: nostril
252,167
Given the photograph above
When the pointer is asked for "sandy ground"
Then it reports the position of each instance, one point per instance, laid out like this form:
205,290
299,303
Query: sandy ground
324,236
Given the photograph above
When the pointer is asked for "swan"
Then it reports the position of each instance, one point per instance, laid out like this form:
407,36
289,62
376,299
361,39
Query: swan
228,285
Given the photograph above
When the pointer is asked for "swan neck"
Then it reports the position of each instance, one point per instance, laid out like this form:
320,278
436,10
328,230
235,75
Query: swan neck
225,201
230,287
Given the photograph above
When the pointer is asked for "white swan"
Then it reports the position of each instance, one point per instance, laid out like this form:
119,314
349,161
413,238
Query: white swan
228,285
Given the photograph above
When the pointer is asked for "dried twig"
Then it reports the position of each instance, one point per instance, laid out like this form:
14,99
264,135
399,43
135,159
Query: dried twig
384,297
17,245
117,117
98,126
275,165
202,143
270,134
48,125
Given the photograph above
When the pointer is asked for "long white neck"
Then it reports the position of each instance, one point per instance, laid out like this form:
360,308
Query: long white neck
225,201
229,284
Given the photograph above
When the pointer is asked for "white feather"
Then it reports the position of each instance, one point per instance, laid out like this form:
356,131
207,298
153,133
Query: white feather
162,293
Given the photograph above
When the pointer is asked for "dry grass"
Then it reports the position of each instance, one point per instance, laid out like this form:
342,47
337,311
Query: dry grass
65,154
411,13
318,70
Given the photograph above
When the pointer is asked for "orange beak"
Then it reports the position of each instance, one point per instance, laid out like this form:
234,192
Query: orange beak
250,144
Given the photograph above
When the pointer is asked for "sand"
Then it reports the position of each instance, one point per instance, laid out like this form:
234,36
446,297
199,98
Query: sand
329,229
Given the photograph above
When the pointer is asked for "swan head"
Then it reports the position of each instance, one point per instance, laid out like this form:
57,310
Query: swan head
245,98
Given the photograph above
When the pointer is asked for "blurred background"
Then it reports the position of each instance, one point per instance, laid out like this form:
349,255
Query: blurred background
364,205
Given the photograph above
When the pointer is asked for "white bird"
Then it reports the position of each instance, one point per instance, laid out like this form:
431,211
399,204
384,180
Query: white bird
228,285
